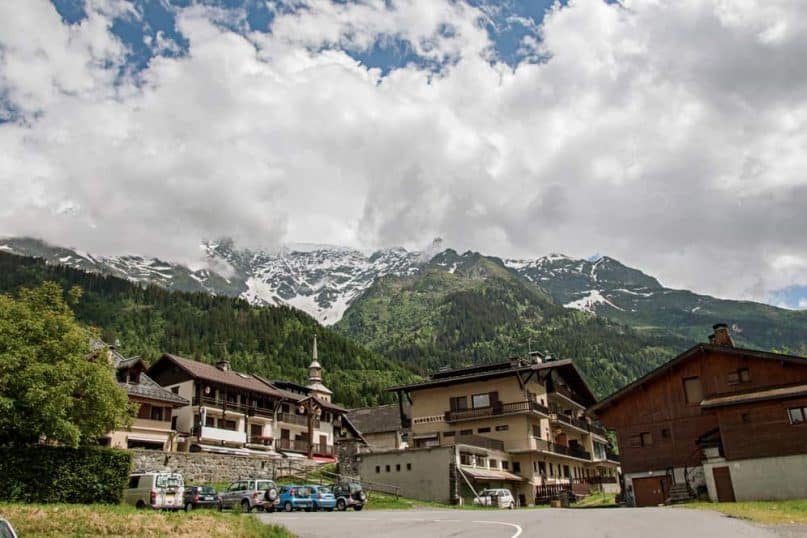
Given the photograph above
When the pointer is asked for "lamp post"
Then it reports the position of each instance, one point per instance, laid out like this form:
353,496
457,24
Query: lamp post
312,410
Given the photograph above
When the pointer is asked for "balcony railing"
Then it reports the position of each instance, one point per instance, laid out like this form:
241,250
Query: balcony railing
499,408
558,416
219,434
480,441
548,446
300,420
323,450
295,445
220,404
611,456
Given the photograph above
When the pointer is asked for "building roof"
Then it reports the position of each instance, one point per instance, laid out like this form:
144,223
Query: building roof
208,372
456,376
688,354
776,393
377,419
487,474
149,389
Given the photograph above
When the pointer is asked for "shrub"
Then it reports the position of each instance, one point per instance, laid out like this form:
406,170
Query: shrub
63,475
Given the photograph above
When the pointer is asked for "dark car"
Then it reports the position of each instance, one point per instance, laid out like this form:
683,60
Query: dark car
200,497
349,495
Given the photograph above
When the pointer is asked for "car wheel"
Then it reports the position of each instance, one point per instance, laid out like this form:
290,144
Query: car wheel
140,505
307,509
358,507
188,507
245,507
512,506
287,507
340,505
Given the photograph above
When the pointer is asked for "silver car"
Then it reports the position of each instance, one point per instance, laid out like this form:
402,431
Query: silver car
6,530
251,494
497,498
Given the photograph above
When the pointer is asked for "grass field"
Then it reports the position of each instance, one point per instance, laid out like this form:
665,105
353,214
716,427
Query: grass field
773,512
39,521
597,499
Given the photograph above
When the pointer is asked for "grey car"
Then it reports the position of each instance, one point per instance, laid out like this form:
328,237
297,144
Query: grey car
6,530
250,494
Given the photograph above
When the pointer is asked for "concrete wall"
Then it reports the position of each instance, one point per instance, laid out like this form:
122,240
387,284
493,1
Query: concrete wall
763,478
427,480
197,468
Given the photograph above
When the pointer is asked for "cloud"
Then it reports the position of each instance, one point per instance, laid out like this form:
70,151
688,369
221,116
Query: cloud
668,135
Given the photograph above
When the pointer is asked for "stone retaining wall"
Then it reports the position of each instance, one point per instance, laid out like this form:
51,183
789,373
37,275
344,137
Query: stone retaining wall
202,467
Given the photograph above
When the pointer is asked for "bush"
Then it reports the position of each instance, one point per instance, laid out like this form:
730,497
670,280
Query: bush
63,475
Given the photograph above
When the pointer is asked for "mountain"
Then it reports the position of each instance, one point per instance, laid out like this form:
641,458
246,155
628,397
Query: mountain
463,309
270,341
625,295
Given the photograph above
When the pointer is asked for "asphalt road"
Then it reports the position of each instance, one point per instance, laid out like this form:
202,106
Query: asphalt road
569,523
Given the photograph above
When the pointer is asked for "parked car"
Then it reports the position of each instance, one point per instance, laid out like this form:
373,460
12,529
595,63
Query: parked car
295,497
161,491
349,495
498,498
322,498
249,495
6,530
200,497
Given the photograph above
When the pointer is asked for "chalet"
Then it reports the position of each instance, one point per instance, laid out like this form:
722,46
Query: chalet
153,426
381,426
518,424
235,412
716,420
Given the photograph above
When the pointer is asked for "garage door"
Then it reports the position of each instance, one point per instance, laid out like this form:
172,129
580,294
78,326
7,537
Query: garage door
651,491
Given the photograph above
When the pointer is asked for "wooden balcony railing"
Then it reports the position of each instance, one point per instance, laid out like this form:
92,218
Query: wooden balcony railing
292,418
295,445
499,408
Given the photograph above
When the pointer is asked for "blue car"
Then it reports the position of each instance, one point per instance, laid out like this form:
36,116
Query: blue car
295,498
322,498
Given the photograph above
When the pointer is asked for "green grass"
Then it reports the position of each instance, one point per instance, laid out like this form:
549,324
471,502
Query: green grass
774,512
597,499
44,520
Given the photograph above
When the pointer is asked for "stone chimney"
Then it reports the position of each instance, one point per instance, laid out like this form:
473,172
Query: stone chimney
223,365
722,336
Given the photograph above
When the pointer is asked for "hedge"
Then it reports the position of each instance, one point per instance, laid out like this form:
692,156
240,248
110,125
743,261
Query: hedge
63,475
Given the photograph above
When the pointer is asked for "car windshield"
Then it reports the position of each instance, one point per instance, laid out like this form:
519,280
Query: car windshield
355,488
168,481
207,490
5,530
324,490
302,492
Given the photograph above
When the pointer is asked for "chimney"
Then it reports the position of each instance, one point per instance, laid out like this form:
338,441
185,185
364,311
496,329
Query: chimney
722,337
223,365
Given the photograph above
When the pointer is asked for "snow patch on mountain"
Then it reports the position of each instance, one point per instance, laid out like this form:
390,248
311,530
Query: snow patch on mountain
588,302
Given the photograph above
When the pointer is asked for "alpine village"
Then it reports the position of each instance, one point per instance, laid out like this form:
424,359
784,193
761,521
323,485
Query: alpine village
234,406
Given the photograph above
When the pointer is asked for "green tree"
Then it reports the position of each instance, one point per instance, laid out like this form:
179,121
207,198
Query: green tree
51,387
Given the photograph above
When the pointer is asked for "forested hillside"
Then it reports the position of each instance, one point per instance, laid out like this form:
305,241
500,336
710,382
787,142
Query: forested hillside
271,341
471,309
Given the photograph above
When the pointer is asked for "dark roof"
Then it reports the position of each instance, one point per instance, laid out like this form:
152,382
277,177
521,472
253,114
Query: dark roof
347,424
688,354
456,376
208,372
378,419
149,389
759,395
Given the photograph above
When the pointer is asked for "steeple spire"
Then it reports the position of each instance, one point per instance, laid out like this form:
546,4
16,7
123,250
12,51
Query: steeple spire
315,376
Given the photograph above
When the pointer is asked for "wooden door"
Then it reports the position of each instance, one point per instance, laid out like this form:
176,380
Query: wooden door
651,491
723,485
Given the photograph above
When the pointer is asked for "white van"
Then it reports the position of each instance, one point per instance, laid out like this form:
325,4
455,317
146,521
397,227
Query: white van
161,491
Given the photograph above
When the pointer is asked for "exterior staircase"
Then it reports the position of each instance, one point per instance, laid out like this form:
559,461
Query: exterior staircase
679,493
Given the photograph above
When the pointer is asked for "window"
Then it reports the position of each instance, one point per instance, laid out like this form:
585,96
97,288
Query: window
134,481
494,464
693,392
502,428
210,421
458,403
466,432
665,433
156,413
228,425
448,434
566,473
516,467
542,468
646,438
505,465
797,414
465,458
483,430
745,418
551,469
481,400
255,430
377,468
397,467
536,430
408,466
175,390
387,468
745,375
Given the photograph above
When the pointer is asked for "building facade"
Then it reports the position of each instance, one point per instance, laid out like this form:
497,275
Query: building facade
520,424
716,420
235,412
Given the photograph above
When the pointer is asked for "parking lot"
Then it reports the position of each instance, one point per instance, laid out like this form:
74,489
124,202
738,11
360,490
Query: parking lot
579,523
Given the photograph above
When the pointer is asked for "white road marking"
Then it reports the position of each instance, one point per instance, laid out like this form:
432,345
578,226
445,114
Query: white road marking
519,530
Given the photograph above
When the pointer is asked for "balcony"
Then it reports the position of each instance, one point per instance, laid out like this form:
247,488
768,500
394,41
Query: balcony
571,451
292,418
148,424
294,445
612,456
526,406
323,450
480,441
557,416
224,405
219,434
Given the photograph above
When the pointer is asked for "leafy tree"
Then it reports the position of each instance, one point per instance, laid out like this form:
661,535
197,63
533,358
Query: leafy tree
51,387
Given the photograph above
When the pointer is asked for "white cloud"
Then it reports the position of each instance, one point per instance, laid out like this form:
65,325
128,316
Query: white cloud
669,135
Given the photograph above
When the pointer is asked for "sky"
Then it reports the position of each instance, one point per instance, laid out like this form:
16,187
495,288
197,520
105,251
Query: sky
669,135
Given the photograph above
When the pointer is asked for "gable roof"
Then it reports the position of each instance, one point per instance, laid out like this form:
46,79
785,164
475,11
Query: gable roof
378,419
149,389
694,351
456,376
208,372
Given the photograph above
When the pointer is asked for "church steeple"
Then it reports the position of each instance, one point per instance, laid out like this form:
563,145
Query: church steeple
315,386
